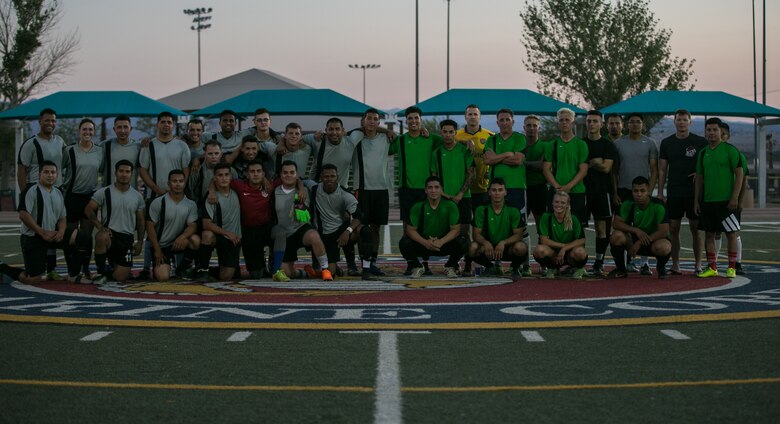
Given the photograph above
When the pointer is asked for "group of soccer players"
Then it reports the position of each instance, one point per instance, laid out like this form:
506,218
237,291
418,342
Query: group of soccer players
462,193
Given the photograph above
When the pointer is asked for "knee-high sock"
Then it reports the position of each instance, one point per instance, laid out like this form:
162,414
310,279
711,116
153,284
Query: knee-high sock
51,260
739,248
620,261
601,247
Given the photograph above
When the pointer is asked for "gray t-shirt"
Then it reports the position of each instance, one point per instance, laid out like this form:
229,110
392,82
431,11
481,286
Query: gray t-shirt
635,156
330,208
174,154
120,214
116,151
228,143
53,208
52,150
336,154
178,215
300,157
231,212
285,215
268,146
369,163
87,167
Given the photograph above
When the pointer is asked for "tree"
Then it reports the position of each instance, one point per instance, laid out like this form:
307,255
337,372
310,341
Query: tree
33,56
599,51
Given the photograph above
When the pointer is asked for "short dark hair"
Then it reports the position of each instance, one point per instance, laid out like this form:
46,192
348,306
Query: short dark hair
288,163
640,180
48,163
613,115
227,112
261,110
47,111
165,114
124,162
370,110
335,120
449,122
635,115
498,180
713,121
249,138
212,142
292,125
505,110
86,121
412,109
330,166
221,165
682,112
595,112
175,172
255,162
121,118
472,106
431,179
195,122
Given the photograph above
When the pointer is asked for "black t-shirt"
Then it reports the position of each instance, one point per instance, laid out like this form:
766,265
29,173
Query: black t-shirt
596,181
681,154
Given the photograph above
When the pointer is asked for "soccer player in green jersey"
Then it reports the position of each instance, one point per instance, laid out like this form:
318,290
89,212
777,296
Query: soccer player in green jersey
726,136
641,227
566,165
498,233
433,230
453,164
719,177
561,239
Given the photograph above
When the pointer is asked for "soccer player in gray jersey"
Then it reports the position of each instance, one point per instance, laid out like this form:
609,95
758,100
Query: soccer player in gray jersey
638,156
202,173
337,217
221,228
292,224
333,147
251,149
118,148
42,212
228,137
83,164
171,226
264,134
43,146
122,213
371,184
292,148
194,139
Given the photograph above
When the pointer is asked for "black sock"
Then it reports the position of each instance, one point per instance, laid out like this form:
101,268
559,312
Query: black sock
661,262
100,263
601,248
10,271
617,254
51,262
204,256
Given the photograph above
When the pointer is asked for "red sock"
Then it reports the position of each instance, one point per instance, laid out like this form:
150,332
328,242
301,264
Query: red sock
732,259
712,258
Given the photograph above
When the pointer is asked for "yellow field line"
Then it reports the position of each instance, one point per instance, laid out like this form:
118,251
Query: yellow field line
363,389
671,319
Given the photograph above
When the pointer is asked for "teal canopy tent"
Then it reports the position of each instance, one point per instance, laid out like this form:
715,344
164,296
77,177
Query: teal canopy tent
709,103
520,101
96,104
289,102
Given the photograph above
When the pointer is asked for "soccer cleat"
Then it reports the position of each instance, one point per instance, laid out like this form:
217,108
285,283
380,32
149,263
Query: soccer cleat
662,273
550,273
617,273
516,273
99,279
427,269
738,267
707,273
326,275
409,269
731,272
417,272
467,272
579,274
645,270
450,272
630,267
280,276
352,271
312,273
366,275
597,269
375,270
525,271
54,276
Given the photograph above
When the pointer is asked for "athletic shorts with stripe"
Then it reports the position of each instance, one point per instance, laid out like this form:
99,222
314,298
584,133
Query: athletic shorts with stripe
716,217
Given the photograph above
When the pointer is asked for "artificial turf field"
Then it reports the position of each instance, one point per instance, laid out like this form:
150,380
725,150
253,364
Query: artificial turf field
724,371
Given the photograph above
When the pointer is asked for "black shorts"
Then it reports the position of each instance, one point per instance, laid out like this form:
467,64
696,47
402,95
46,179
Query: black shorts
295,242
331,242
121,250
228,254
678,207
34,253
644,250
515,197
536,200
624,194
579,207
479,199
465,214
407,197
170,256
599,206
374,205
716,217
75,203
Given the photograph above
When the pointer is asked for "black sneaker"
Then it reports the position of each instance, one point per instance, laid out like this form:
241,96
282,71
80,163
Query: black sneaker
616,273
662,274
739,269
645,270
366,275
352,271
374,270
427,270
409,269
597,268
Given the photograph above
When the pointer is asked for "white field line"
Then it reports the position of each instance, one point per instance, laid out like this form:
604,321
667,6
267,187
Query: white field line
239,336
675,334
387,405
532,336
95,336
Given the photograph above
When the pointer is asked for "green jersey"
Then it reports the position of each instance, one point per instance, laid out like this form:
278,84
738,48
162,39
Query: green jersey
535,152
718,168
566,158
497,227
431,222
553,229
452,167
647,219
414,158
513,175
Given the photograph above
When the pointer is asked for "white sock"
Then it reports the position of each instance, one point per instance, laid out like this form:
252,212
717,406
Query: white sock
367,264
739,248
718,243
323,260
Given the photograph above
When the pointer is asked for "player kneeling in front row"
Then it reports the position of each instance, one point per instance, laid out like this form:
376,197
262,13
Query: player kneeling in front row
561,239
641,227
433,230
221,228
498,232
171,226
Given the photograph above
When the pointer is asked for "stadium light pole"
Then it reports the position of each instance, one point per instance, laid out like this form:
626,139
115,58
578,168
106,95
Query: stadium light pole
201,16
364,67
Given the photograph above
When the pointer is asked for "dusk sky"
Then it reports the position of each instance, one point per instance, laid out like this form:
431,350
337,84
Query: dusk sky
148,47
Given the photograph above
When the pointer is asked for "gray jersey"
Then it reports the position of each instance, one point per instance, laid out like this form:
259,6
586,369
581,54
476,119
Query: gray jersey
635,156
45,214
52,150
113,152
174,154
196,152
228,143
198,183
336,154
230,210
178,215
86,168
283,208
300,157
268,146
369,163
120,214
330,208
